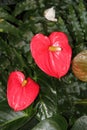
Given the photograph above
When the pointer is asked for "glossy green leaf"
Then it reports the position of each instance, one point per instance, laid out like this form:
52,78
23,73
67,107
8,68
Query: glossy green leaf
48,98
53,123
12,120
47,124
59,96
61,121
2,92
80,124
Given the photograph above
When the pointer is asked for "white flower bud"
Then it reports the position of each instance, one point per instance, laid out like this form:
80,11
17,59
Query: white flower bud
49,14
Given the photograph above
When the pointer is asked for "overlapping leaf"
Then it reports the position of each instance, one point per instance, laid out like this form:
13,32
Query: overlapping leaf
13,120
54,123
80,124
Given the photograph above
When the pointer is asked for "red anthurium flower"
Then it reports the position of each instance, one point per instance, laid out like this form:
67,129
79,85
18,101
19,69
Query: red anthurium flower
52,54
21,92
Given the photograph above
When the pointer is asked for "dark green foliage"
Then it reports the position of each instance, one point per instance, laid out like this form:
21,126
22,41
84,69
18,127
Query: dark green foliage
54,123
19,22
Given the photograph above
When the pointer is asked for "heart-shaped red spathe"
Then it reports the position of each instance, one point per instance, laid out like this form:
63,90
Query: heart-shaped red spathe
20,92
52,54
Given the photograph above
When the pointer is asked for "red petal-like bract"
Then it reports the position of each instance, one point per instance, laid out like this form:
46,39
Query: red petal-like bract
20,97
54,63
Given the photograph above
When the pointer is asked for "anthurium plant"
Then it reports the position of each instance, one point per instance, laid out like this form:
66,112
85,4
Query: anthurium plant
21,92
53,54
43,65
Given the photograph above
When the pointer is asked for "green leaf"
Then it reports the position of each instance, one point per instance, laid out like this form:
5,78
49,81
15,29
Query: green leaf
74,24
11,120
48,124
48,97
2,92
30,124
80,124
24,6
53,123
82,12
9,28
7,2
59,96
7,16
60,120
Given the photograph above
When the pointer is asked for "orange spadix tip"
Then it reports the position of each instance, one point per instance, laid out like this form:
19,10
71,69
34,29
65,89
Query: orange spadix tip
24,83
55,48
